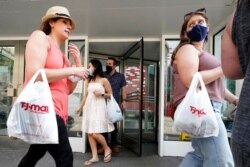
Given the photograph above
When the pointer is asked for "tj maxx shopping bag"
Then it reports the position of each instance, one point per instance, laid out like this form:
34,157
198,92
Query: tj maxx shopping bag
32,117
195,114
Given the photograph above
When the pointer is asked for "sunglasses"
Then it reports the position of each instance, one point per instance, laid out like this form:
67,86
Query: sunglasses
188,15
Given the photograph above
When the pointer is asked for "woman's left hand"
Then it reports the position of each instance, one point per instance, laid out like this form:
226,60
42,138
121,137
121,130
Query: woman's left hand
78,110
97,93
75,53
123,105
235,101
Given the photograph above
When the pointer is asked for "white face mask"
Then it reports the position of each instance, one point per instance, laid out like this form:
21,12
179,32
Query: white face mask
90,71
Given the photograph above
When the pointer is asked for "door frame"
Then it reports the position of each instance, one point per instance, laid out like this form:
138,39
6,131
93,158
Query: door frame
167,147
78,144
18,75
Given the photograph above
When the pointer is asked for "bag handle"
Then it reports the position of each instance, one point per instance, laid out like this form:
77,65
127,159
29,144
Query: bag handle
201,81
44,78
196,80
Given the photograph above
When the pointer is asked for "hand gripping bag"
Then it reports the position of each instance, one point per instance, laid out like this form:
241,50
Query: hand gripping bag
32,117
195,114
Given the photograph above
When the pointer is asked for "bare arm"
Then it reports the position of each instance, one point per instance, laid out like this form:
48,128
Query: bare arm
75,53
82,103
108,89
35,57
187,60
124,93
35,53
231,98
124,97
229,54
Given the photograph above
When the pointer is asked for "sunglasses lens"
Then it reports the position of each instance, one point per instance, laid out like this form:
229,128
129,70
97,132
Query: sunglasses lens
201,10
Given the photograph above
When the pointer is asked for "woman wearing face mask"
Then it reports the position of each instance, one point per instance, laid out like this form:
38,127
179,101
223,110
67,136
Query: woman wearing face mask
188,58
94,111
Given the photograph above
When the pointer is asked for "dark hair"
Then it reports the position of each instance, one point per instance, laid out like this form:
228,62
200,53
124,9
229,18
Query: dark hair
45,27
114,60
183,38
98,69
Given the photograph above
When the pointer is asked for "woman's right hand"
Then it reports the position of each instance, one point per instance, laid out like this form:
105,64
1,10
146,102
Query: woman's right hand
75,53
80,72
78,110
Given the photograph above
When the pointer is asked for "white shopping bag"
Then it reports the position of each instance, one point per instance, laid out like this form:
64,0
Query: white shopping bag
114,113
195,114
32,117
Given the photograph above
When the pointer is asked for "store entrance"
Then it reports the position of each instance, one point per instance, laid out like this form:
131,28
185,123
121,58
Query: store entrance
138,61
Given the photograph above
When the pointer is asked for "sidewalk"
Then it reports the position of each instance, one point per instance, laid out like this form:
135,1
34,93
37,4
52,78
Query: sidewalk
11,152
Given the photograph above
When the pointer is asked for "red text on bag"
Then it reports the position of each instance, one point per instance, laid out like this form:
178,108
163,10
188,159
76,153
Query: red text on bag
197,111
35,107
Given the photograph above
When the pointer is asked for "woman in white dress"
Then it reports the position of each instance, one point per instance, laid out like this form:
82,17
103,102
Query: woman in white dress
95,110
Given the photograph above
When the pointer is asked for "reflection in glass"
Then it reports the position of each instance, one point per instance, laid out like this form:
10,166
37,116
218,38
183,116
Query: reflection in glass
75,120
132,75
133,81
7,54
169,134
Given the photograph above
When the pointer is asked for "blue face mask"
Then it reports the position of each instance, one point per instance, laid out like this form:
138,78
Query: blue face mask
198,33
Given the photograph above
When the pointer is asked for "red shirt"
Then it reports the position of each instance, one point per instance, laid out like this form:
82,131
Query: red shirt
60,88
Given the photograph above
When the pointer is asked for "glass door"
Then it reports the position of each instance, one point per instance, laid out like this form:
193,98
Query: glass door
76,138
11,77
171,143
132,122
149,103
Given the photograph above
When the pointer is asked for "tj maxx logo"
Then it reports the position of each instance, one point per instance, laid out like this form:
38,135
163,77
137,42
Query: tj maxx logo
196,111
35,108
